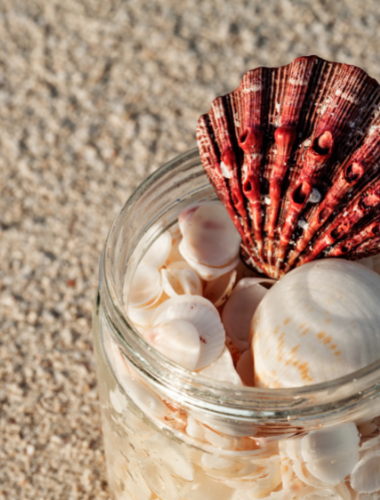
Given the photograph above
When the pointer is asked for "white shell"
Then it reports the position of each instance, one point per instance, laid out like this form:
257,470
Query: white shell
244,367
240,308
178,340
210,235
203,315
159,480
159,251
222,369
217,291
331,453
179,279
171,454
365,478
145,288
204,488
205,271
261,482
319,322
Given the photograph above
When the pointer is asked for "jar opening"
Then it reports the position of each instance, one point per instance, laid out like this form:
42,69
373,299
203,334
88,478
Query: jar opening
160,199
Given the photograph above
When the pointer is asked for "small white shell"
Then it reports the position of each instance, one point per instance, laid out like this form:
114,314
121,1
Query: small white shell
365,478
203,315
179,279
145,288
205,271
244,367
204,488
171,454
240,308
318,322
159,480
331,453
178,340
265,479
210,235
217,291
159,251
222,369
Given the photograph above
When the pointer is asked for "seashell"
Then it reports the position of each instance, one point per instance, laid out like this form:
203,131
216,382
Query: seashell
179,279
222,369
145,288
204,487
244,368
293,153
173,455
217,291
217,462
331,453
240,307
365,478
210,241
178,340
234,350
261,482
203,316
194,429
335,331
159,251
159,480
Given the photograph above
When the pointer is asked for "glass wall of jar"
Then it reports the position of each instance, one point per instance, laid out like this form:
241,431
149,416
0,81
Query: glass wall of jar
171,434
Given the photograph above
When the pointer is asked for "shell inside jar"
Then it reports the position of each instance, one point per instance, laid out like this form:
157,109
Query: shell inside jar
229,325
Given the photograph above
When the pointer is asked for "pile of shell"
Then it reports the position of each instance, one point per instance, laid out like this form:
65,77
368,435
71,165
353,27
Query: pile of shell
192,298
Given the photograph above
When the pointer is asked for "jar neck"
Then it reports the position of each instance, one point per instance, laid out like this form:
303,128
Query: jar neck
153,208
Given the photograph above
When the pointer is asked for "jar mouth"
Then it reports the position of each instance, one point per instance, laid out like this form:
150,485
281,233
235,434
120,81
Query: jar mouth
308,403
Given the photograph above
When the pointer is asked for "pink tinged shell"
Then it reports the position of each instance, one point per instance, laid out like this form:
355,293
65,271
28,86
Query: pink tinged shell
206,272
203,316
222,369
323,152
240,308
208,234
179,279
244,367
159,251
218,290
145,288
331,453
365,478
178,340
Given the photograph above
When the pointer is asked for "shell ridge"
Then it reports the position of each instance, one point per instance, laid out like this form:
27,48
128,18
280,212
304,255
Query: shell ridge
225,135
294,155
285,136
360,165
361,205
331,126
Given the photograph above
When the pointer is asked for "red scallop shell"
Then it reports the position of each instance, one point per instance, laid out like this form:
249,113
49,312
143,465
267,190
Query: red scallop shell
294,154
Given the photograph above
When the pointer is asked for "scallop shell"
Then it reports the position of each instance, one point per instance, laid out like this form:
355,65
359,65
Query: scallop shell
178,340
203,316
293,153
365,478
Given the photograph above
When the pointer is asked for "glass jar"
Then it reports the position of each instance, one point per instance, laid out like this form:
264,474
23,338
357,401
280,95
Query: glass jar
171,434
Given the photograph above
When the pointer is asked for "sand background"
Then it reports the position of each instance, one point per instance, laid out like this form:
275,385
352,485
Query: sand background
94,96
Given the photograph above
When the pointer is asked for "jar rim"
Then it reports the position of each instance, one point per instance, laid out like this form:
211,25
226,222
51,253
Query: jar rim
308,403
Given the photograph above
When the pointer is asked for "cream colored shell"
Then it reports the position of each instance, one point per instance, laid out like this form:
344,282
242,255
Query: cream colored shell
319,322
